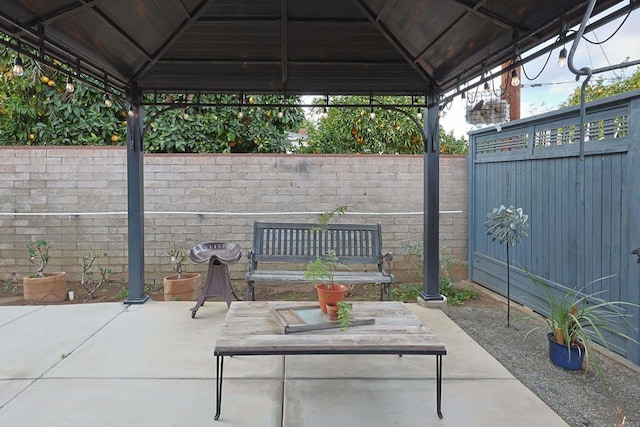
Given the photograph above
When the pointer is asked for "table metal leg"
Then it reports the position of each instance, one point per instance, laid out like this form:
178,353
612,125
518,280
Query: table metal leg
439,385
219,367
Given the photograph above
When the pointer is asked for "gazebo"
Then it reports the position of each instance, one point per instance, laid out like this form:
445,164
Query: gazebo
138,50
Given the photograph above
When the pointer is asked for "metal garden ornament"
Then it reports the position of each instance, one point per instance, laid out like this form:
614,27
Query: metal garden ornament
507,225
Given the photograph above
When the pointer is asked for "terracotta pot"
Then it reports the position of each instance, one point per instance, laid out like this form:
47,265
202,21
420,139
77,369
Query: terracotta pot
50,288
332,311
330,293
186,289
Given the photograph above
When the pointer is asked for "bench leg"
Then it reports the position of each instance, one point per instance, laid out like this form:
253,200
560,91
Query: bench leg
251,293
219,366
439,385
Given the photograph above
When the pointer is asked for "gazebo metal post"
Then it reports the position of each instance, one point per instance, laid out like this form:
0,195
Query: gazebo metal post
431,265
135,199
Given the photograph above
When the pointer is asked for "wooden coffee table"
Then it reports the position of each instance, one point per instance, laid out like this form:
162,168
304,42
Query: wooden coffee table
251,330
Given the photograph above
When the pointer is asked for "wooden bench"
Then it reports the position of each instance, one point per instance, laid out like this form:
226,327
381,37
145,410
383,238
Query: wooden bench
283,243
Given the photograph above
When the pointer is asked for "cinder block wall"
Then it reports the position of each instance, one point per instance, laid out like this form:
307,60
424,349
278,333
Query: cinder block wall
76,199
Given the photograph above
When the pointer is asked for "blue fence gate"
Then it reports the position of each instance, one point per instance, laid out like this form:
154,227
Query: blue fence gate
584,211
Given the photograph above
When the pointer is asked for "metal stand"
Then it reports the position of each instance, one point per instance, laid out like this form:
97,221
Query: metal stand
439,385
218,283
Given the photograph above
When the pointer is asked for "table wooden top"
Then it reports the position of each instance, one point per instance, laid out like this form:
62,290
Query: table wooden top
250,329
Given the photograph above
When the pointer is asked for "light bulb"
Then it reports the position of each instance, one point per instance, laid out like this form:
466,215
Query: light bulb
240,113
131,113
69,87
562,58
107,100
186,115
324,114
18,70
280,114
486,87
419,114
372,115
515,80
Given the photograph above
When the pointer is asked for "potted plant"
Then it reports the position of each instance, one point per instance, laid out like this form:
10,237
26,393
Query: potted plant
574,319
320,272
181,286
41,286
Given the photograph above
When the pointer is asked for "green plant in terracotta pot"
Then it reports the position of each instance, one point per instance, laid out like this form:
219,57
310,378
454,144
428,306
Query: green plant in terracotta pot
321,272
41,286
181,286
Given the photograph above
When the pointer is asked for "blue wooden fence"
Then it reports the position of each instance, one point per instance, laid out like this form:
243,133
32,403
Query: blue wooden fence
584,214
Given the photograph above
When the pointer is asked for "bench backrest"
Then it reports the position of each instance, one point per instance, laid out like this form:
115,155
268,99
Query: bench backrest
301,243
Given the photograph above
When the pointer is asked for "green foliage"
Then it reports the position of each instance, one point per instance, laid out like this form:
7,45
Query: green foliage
39,255
321,269
406,293
353,131
123,293
580,315
455,294
344,314
35,109
598,88
507,225
220,130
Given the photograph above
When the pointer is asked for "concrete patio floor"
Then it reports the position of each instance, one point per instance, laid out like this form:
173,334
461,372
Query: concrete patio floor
152,365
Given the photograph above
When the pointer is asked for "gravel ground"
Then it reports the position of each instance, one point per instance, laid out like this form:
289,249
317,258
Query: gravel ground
578,397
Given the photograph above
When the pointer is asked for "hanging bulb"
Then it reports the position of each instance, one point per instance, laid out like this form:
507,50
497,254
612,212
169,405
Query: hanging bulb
18,70
562,58
486,87
515,80
419,114
107,100
280,113
240,113
186,114
131,113
324,114
69,88
372,115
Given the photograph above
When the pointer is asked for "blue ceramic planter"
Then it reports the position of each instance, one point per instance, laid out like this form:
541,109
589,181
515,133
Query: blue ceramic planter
570,359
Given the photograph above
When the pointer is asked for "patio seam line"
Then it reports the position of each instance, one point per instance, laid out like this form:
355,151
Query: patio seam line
38,308
59,360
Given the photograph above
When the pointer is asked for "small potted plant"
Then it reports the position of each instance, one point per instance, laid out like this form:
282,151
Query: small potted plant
574,318
320,272
41,286
181,286
340,311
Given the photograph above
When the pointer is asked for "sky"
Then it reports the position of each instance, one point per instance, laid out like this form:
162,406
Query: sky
555,85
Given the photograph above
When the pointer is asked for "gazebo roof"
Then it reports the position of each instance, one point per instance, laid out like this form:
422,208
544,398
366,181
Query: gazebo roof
288,46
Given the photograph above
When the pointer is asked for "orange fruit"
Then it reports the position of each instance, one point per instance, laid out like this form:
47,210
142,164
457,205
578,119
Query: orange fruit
32,136
115,138
44,79
51,83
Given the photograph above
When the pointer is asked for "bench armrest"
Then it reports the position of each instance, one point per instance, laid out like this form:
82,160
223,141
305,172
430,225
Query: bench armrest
386,263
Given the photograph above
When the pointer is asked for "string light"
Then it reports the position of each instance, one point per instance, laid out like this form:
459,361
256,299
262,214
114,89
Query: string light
562,58
186,114
325,113
372,114
107,101
69,88
486,87
131,113
419,114
515,80
280,113
18,70
240,113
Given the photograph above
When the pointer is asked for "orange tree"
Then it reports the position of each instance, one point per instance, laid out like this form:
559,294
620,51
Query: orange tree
354,130
599,88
